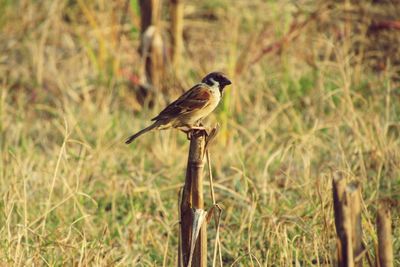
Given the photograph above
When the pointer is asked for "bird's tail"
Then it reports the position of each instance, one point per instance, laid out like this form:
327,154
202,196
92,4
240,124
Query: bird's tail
145,130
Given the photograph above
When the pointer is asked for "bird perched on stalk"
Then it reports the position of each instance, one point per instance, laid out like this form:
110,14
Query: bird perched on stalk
189,109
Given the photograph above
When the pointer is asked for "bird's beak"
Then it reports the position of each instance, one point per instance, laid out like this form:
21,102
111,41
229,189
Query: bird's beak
227,82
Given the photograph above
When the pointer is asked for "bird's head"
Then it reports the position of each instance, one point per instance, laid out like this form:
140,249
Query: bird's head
217,78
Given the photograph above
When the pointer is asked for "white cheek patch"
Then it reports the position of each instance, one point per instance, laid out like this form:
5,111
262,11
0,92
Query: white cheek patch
215,83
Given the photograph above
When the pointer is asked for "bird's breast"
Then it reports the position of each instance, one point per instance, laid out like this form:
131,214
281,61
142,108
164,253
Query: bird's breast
215,97
193,117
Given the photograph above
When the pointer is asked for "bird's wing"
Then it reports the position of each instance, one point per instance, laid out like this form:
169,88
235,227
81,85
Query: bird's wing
195,98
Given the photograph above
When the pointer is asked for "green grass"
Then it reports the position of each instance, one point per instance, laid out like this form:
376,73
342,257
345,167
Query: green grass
72,193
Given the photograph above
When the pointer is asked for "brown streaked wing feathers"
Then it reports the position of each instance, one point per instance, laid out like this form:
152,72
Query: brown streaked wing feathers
196,97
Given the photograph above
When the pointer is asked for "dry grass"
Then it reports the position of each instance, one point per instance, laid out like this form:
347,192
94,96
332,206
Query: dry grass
72,193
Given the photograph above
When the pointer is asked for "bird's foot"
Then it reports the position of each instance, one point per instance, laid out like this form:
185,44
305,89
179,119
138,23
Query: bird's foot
198,128
197,131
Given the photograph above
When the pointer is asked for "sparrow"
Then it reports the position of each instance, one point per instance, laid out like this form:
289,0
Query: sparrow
187,112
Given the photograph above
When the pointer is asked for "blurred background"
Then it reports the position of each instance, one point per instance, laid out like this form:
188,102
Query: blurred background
315,90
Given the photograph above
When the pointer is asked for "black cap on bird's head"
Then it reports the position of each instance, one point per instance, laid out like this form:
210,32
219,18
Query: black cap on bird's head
216,78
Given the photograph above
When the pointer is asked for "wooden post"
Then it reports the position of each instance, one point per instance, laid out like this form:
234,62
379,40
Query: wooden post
192,197
347,208
383,225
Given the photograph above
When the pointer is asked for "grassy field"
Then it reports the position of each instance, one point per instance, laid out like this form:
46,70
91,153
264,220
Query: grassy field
324,99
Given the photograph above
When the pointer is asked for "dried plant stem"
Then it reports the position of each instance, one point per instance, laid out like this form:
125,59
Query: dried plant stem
176,10
152,44
353,201
347,208
217,245
210,177
338,187
192,197
385,247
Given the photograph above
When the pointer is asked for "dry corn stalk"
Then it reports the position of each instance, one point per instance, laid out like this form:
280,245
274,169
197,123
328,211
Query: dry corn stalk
192,198
176,10
385,247
347,208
